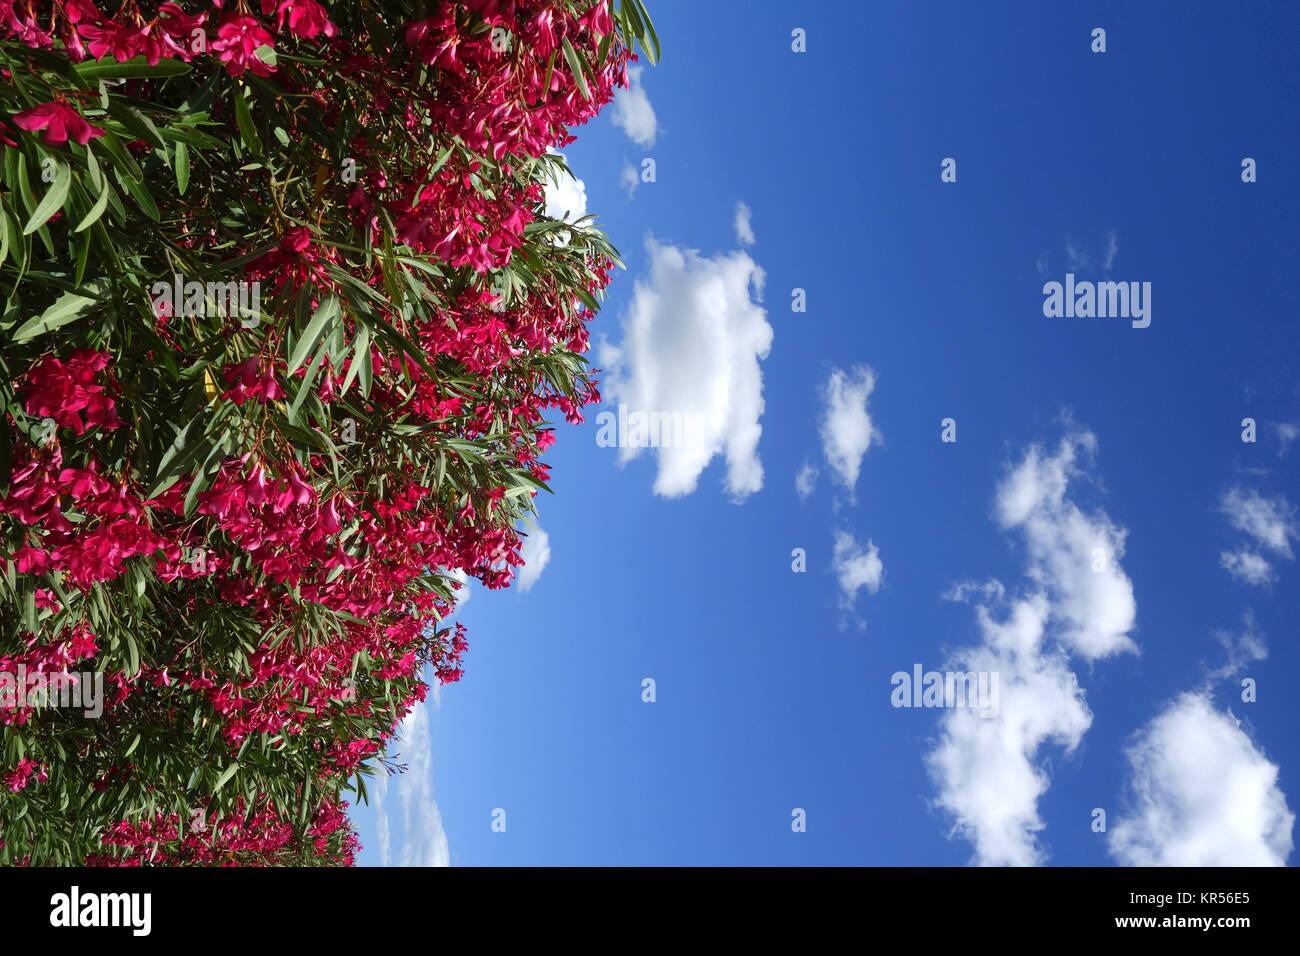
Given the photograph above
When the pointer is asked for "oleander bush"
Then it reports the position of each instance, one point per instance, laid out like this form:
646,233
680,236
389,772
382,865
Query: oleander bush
283,329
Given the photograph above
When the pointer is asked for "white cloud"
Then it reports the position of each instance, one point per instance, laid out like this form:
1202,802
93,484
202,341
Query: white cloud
629,179
1112,250
856,568
462,596
1287,432
632,111
805,481
693,338
744,227
846,428
424,842
1240,650
536,552
1202,794
380,790
988,770
1270,521
566,197
1075,556
1077,256
1248,567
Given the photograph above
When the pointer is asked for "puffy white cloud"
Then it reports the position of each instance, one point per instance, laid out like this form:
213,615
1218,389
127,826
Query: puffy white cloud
693,338
632,111
1075,556
424,842
1202,794
744,227
988,771
846,428
536,552
1248,567
1270,521
856,568
805,481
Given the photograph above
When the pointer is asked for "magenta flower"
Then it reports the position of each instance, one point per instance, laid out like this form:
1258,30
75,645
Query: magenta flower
237,39
59,121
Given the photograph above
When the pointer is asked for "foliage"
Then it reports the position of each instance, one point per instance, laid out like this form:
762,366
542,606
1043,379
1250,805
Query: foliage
282,319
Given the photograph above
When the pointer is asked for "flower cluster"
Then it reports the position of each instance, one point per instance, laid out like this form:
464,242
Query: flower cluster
251,529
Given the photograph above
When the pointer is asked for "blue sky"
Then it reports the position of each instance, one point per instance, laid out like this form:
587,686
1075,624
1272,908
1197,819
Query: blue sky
1120,676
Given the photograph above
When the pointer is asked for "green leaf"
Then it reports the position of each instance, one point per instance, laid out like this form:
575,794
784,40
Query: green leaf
244,119
182,167
225,776
137,67
326,313
66,308
96,210
137,123
576,68
53,200
647,32
360,356
304,387
141,195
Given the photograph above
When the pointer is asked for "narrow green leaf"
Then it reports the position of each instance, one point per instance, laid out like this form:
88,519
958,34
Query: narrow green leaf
244,119
53,200
182,167
96,210
360,356
575,67
225,776
137,67
326,313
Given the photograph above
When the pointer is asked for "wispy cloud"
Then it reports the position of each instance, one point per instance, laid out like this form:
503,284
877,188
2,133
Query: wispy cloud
1248,567
536,552
629,179
632,111
1112,250
805,481
1287,433
1270,521
744,225
424,842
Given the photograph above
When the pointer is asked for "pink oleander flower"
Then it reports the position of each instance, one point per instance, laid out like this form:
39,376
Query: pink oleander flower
237,41
59,122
